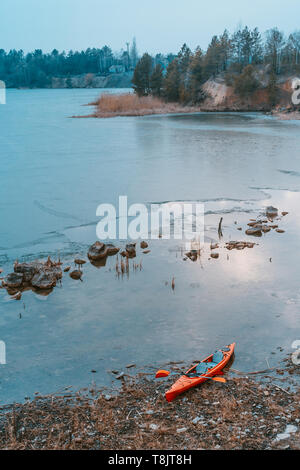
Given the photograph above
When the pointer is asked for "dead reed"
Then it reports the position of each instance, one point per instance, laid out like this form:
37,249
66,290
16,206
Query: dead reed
129,104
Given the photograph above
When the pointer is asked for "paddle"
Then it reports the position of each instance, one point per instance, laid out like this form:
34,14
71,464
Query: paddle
165,373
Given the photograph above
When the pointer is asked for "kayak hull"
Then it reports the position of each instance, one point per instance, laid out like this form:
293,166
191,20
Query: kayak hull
184,382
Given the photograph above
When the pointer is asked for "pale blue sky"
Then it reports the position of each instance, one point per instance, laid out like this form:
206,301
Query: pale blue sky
159,25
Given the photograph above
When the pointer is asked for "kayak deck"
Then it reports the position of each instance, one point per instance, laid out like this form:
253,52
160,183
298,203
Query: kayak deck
210,366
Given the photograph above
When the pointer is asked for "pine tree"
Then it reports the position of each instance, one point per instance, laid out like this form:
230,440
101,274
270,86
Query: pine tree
141,76
274,46
183,59
196,78
237,44
225,50
172,82
212,58
257,48
246,83
156,80
246,46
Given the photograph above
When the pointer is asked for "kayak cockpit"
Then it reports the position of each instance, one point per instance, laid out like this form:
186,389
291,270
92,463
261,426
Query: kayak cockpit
205,366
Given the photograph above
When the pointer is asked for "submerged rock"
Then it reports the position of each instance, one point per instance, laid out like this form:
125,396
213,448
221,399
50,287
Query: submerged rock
254,231
239,245
76,274
44,280
250,245
36,274
254,223
130,248
111,249
192,255
13,280
271,212
96,251
99,250
28,269
79,261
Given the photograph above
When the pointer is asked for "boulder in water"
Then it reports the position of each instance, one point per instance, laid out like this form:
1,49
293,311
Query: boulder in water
28,269
44,280
13,280
254,231
96,251
130,248
111,249
271,212
76,274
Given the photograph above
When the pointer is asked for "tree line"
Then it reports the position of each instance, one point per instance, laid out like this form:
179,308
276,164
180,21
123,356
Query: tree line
236,57
36,69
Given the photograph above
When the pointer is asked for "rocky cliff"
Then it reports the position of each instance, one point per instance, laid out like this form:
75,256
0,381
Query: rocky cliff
90,80
221,97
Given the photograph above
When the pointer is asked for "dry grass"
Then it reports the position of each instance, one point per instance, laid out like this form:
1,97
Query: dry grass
238,415
129,104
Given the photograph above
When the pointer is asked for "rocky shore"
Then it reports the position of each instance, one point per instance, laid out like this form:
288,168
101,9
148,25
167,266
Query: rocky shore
241,414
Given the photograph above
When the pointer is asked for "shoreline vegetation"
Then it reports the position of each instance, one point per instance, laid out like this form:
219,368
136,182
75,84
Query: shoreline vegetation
129,104
241,414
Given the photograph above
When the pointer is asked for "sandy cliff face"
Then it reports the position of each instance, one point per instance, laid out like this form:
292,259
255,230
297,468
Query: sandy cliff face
221,97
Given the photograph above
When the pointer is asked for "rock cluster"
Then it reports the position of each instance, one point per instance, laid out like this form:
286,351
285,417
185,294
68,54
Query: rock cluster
240,245
36,274
259,226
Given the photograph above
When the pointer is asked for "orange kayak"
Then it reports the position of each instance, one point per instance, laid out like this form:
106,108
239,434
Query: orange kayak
210,366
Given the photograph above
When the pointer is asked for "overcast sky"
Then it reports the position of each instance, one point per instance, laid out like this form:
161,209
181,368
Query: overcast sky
158,25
